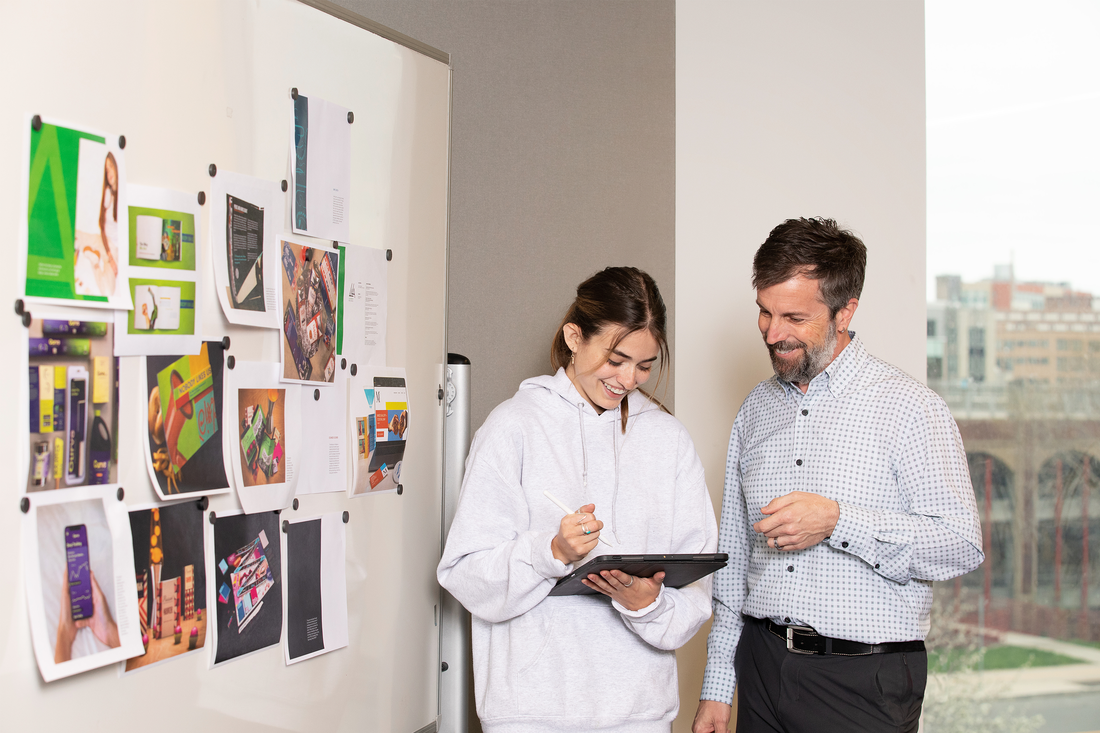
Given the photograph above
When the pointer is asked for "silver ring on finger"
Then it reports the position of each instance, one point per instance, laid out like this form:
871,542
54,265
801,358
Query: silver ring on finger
627,585
586,529
581,520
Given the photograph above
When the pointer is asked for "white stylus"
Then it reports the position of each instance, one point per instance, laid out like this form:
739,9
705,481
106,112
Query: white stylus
567,510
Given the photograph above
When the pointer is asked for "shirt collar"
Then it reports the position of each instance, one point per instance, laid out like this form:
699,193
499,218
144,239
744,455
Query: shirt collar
845,366
840,372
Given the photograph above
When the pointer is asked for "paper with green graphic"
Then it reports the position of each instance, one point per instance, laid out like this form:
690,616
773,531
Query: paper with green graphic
161,238
76,218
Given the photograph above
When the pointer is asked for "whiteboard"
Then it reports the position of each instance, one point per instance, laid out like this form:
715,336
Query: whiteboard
223,70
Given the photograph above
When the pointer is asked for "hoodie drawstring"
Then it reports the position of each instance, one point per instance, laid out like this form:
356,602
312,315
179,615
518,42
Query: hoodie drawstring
584,451
584,469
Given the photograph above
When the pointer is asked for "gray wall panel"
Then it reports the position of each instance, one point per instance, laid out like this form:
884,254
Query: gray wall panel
562,163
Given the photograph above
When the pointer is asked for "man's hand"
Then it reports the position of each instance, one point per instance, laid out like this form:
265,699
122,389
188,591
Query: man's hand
798,520
711,717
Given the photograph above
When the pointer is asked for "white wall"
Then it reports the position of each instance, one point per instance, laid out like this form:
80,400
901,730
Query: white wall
221,96
784,109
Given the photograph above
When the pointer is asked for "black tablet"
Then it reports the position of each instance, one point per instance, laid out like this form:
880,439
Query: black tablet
680,570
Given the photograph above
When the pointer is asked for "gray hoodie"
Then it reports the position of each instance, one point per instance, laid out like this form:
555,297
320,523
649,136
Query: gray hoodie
573,663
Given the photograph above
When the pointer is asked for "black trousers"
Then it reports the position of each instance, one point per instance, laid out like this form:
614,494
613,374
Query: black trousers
782,691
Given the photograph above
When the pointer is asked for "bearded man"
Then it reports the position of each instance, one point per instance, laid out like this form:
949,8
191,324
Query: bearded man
847,494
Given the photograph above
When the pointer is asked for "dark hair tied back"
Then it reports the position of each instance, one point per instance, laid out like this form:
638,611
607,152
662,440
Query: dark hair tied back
621,298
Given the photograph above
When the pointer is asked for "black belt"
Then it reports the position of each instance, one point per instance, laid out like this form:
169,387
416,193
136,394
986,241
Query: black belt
804,640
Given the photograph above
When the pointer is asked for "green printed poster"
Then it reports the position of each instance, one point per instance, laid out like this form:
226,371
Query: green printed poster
161,238
75,183
162,307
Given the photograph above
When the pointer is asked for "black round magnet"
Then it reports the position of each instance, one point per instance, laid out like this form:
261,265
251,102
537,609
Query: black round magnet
27,319
444,667
202,198
354,369
294,92
286,525
225,342
25,505
346,517
343,363
389,255
295,504
36,123
351,117
121,142
213,517
316,394
335,244
212,170
19,306
231,362
400,489
283,184
203,503
121,493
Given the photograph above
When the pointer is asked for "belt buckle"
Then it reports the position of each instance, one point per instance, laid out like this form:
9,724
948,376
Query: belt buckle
790,638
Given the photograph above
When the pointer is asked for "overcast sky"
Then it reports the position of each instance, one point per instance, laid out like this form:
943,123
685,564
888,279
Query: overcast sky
1014,139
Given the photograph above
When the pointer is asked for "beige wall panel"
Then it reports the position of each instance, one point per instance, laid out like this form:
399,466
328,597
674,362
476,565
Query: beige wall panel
787,109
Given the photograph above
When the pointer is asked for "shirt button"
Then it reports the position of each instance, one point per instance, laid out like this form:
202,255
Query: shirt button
798,462
786,619
790,568
805,412
876,566
843,544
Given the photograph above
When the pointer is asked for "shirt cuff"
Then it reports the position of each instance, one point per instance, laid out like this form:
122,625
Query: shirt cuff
719,682
854,532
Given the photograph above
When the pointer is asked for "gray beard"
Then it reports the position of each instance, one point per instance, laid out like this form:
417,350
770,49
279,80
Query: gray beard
813,361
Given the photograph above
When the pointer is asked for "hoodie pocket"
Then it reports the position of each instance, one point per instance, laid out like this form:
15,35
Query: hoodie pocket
581,661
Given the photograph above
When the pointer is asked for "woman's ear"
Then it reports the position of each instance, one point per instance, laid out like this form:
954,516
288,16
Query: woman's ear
573,336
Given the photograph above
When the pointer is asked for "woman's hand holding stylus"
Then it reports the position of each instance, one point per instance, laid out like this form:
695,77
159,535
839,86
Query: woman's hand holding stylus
630,591
577,535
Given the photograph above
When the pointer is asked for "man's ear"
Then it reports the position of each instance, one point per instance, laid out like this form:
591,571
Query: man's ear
845,314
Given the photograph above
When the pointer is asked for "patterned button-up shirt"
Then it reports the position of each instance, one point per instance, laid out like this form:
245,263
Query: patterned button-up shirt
886,448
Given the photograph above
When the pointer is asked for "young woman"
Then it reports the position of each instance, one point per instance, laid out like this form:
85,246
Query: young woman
95,268
108,213
590,437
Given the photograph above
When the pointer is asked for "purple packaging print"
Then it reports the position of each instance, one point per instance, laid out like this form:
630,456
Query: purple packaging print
80,571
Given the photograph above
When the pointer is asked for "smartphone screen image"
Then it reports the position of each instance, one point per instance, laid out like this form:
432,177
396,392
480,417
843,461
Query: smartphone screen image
76,425
80,572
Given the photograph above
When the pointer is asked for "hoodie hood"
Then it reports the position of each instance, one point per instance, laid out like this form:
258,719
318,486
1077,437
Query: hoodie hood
560,385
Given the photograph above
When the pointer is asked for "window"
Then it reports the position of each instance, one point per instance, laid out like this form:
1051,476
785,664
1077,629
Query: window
1013,104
